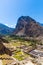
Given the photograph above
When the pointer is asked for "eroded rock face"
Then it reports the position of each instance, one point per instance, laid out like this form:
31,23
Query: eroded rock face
1,46
3,49
28,27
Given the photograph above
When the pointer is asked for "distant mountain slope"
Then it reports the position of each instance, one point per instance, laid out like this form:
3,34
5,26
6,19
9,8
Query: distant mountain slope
5,29
26,26
41,24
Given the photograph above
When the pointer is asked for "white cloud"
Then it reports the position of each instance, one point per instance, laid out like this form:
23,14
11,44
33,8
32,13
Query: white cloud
12,26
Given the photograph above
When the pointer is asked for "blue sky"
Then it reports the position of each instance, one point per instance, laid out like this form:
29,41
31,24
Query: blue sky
11,10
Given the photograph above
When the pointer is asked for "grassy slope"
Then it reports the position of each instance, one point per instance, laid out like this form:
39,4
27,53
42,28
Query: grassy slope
18,41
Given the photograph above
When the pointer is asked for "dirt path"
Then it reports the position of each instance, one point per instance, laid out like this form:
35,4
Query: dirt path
29,63
1,62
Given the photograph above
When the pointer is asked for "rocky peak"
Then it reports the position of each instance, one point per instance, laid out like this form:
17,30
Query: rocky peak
28,26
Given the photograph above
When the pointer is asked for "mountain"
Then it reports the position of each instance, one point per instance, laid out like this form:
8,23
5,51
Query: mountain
41,24
5,29
27,26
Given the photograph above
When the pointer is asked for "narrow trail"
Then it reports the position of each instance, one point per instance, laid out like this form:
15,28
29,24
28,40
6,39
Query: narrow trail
29,63
1,62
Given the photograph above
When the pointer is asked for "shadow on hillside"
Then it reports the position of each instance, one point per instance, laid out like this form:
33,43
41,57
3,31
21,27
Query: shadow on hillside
3,49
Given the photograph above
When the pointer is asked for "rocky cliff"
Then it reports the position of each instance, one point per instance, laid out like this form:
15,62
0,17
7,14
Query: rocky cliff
27,26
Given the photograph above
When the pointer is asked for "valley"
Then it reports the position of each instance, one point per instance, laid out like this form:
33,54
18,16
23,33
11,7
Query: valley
19,51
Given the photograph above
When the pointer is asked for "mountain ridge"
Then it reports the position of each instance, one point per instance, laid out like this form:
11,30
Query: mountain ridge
5,29
27,26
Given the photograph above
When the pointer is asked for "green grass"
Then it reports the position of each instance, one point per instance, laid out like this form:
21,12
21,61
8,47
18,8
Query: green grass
16,44
20,55
19,43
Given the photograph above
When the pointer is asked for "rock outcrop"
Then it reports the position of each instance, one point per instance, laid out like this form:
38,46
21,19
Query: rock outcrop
26,26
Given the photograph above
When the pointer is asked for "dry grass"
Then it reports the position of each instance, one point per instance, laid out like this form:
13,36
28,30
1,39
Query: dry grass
6,61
